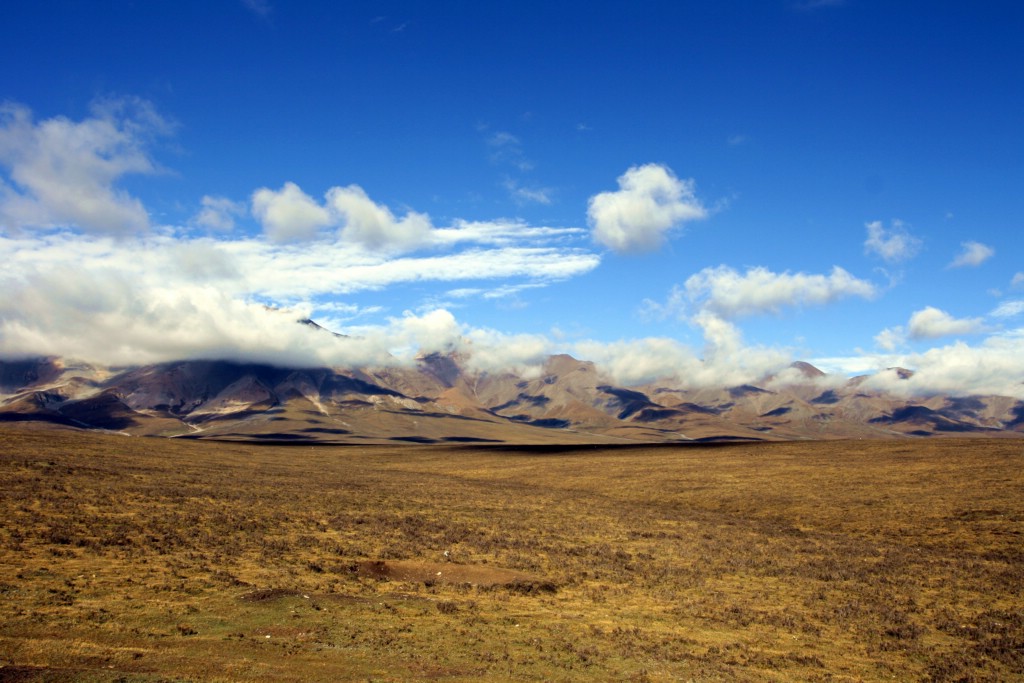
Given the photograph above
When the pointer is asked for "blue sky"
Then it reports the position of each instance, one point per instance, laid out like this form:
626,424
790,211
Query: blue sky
705,190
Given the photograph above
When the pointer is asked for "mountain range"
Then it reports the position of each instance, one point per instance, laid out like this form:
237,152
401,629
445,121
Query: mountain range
438,400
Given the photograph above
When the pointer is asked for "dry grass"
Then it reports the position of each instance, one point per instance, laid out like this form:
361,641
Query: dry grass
142,559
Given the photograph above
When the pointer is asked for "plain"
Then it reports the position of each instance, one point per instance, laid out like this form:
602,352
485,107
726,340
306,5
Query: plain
141,559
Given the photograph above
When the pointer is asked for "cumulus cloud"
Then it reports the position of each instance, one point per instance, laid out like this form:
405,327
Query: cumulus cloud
726,292
289,214
972,254
932,323
373,225
893,245
62,173
649,203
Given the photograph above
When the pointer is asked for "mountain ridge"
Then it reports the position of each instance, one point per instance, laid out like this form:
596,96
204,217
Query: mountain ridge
440,400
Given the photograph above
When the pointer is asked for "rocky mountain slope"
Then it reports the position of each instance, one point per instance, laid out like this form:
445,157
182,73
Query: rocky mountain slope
438,400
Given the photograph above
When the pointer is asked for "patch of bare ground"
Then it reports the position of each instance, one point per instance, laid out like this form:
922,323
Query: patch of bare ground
149,560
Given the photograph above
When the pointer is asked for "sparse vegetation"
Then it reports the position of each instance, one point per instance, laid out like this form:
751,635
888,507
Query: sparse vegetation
145,559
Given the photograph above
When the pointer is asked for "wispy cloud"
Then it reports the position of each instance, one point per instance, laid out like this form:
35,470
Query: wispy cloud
1008,309
506,148
527,195
261,8
893,245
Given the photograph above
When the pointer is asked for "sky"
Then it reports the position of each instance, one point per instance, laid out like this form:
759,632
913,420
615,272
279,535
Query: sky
703,191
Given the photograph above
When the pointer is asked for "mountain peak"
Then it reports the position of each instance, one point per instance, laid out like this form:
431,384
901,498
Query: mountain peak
806,369
902,373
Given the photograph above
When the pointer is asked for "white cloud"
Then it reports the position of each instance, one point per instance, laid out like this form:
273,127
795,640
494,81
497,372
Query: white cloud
493,351
164,296
972,254
373,225
289,214
1008,309
730,294
992,368
500,233
710,299
891,338
528,195
650,202
106,317
892,245
637,361
1018,280
63,173
932,323
726,361
434,331
218,213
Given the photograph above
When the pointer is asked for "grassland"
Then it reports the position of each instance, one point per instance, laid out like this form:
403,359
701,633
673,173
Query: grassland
134,559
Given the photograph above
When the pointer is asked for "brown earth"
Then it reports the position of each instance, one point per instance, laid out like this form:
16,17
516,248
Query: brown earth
430,573
140,559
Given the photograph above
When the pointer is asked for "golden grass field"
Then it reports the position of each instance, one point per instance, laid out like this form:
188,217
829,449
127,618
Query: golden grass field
136,559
